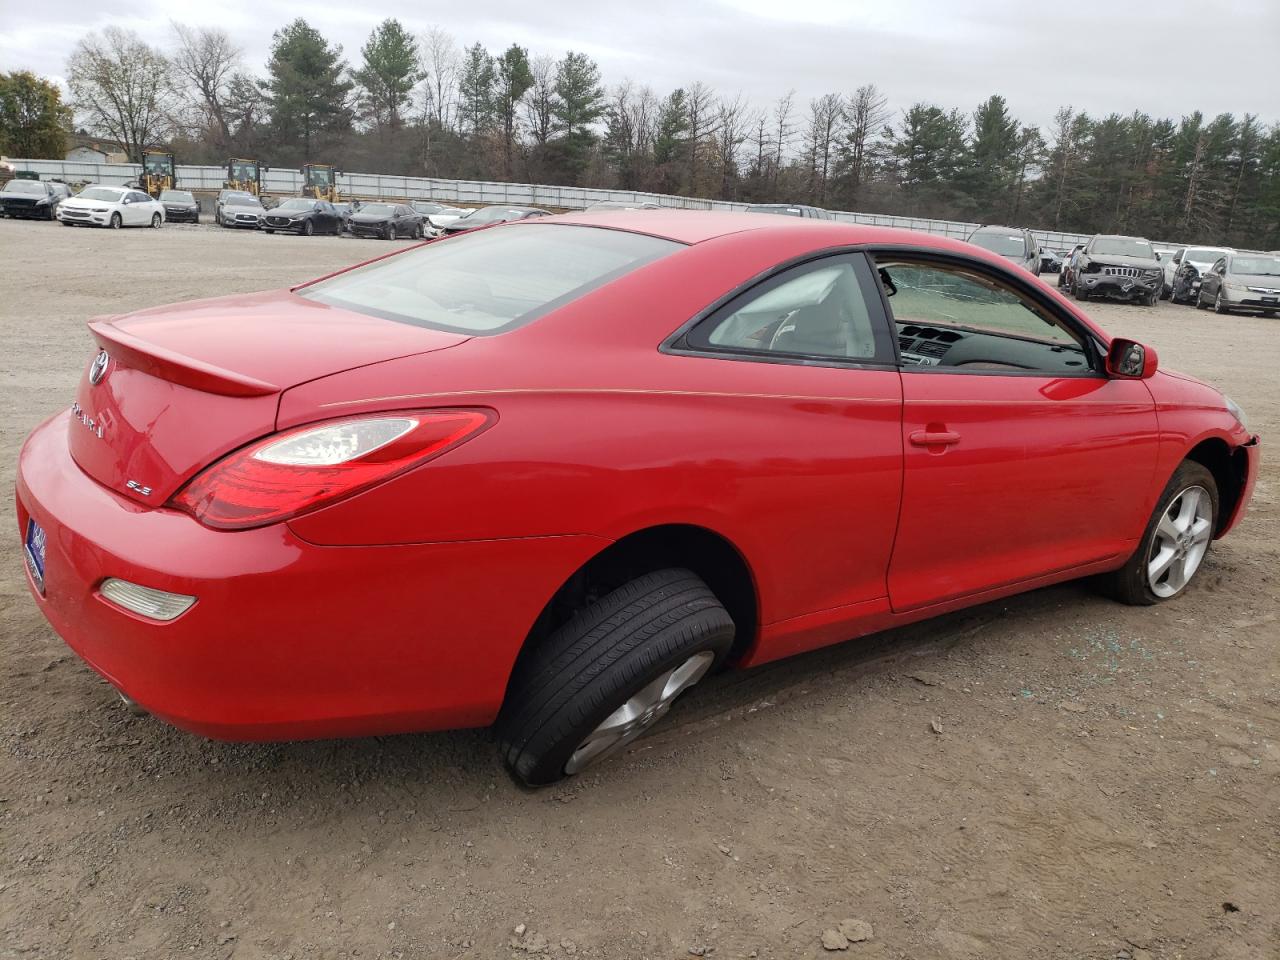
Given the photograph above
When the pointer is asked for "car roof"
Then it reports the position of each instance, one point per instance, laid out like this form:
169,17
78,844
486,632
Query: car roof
988,227
699,226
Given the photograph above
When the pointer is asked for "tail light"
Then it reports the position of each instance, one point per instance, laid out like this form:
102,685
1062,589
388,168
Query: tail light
302,469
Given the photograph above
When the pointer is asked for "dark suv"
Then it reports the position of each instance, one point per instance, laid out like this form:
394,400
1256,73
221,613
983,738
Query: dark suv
1123,268
1015,244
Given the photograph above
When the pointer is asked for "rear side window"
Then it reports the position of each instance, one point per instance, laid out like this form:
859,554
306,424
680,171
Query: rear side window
827,309
491,280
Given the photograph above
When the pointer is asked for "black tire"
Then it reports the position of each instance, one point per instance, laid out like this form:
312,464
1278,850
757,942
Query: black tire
1153,299
388,232
116,221
1079,292
1129,584
308,228
268,232
1220,305
156,221
563,688
1200,304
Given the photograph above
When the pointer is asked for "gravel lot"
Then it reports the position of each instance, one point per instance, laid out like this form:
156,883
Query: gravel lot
1105,783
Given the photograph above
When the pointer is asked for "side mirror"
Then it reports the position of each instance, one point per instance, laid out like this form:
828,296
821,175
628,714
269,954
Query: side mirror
1130,360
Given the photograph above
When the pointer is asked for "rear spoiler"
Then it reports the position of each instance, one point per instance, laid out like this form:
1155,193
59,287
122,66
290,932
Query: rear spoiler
174,367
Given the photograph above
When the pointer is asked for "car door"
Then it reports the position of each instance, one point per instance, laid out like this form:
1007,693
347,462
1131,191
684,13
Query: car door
1211,282
1021,457
799,373
137,208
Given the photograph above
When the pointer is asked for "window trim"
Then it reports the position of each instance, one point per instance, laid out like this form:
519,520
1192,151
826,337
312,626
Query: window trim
679,343
1094,349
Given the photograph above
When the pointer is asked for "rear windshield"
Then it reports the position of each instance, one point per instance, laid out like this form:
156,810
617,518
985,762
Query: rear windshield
1123,247
491,280
1005,244
1203,256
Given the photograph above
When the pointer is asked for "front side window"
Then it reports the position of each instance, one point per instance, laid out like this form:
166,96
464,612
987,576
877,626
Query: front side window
490,281
954,318
824,309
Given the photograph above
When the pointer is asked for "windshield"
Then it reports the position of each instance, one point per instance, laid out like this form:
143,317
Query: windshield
380,209
299,203
1123,247
100,193
177,196
1200,255
244,201
424,207
1005,244
1257,266
24,186
490,281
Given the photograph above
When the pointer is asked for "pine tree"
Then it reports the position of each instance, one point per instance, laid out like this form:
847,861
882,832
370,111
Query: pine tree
306,90
388,74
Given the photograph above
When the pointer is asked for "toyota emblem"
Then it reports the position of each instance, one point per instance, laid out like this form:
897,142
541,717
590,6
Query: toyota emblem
98,369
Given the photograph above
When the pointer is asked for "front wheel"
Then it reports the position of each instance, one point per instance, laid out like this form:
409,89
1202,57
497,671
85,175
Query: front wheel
609,674
1079,292
116,221
308,228
156,221
1220,304
1175,542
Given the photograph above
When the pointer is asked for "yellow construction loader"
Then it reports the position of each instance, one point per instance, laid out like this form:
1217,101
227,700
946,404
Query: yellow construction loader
245,175
320,181
158,173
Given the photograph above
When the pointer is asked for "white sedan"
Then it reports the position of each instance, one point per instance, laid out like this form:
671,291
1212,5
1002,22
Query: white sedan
113,207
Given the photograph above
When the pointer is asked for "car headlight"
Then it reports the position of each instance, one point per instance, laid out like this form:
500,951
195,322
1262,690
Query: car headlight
1234,409
1233,285
1155,272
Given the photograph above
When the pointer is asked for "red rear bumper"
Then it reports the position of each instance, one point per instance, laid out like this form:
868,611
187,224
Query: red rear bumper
286,639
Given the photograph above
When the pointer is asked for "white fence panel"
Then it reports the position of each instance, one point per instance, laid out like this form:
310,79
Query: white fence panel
372,185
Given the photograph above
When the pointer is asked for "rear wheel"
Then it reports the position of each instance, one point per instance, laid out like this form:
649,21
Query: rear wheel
609,674
1174,543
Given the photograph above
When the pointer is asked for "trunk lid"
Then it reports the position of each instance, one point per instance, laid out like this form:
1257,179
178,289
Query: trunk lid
188,383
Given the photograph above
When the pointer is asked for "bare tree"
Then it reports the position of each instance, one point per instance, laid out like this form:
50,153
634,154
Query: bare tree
205,61
440,63
866,115
700,103
784,132
734,121
121,87
540,101
826,114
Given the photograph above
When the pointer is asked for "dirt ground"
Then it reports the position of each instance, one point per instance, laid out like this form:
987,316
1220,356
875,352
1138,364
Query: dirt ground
1106,782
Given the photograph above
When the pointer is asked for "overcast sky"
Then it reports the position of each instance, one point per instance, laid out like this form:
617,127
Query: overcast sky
1168,57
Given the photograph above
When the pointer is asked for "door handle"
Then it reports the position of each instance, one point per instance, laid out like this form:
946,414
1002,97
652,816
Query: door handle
933,438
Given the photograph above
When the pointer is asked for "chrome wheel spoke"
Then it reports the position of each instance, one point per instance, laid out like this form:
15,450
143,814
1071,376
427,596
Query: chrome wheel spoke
1160,563
1201,530
1180,541
640,711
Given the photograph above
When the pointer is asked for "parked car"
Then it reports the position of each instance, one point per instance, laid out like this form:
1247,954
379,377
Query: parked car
624,205
1242,282
180,206
527,477
1050,260
115,207
1015,244
1121,268
32,199
1065,275
428,207
487,216
791,210
387,221
1182,271
436,222
305,216
239,208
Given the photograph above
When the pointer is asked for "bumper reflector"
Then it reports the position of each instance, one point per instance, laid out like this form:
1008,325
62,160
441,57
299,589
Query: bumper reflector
145,601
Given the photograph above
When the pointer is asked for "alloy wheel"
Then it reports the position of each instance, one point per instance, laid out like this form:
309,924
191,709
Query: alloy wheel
1179,542
642,710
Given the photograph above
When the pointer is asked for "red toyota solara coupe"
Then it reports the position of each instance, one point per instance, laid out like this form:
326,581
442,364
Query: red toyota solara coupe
548,475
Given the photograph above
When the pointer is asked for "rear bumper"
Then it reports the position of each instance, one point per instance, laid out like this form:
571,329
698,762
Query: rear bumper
286,639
